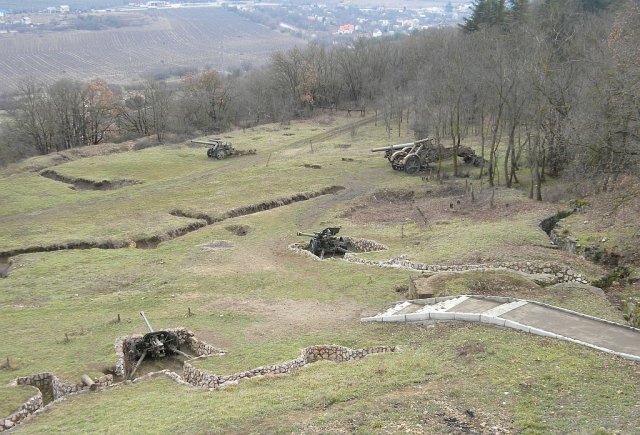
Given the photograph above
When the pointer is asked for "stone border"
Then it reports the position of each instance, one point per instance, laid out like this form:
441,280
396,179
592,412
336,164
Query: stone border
561,273
311,354
495,320
49,384
55,388
34,403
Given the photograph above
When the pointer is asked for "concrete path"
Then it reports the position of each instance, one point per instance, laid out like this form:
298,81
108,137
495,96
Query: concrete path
523,315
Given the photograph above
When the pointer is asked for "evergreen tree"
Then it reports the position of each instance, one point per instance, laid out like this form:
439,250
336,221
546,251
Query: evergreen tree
595,5
485,13
518,11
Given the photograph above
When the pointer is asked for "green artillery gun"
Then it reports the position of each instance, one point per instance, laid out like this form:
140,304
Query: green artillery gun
326,243
220,150
217,148
415,156
155,344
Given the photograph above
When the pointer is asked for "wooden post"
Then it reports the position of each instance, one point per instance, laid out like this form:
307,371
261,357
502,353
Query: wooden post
268,159
86,380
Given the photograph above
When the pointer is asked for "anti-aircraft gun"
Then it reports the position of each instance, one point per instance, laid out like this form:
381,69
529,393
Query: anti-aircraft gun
412,157
326,242
220,150
155,344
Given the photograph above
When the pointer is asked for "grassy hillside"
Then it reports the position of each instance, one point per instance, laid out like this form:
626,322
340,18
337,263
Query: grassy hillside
263,303
172,42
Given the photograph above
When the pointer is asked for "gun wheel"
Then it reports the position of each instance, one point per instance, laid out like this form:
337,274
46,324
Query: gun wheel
220,154
412,165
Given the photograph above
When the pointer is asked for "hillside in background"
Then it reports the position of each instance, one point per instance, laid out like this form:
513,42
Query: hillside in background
174,42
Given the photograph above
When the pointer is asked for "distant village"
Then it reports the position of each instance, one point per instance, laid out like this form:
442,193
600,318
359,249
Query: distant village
310,21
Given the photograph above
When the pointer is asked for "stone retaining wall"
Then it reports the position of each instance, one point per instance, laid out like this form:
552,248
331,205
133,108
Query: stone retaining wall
207,379
50,389
53,388
363,245
560,273
25,410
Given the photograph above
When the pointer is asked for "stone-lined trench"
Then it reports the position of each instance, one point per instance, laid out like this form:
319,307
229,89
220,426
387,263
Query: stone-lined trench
51,390
202,220
552,273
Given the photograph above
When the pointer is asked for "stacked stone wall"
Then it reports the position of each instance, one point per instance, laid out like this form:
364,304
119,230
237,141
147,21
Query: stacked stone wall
559,273
26,409
50,389
53,388
364,245
207,379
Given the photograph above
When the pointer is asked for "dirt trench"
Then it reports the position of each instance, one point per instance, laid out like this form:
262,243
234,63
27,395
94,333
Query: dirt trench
84,184
152,242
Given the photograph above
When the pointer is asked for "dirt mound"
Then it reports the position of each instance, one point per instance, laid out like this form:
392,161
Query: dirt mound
428,207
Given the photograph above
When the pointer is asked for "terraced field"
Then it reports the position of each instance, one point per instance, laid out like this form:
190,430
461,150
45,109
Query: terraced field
172,41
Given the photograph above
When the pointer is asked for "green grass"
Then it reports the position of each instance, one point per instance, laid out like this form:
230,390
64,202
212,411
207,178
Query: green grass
13,397
536,382
264,303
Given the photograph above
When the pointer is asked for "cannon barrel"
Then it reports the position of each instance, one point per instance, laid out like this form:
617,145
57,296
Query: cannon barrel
205,142
146,321
392,147
300,233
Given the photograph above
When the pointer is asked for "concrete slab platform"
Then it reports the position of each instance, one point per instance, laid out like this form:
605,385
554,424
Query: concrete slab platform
473,305
616,338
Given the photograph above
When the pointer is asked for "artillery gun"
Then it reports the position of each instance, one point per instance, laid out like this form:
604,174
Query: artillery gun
415,156
220,150
326,242
155,344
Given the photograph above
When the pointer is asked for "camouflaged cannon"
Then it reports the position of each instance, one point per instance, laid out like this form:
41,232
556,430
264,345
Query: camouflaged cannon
326,242
414,156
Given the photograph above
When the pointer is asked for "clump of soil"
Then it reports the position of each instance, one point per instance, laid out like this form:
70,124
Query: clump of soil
238,230
393,195
307,165
469,349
